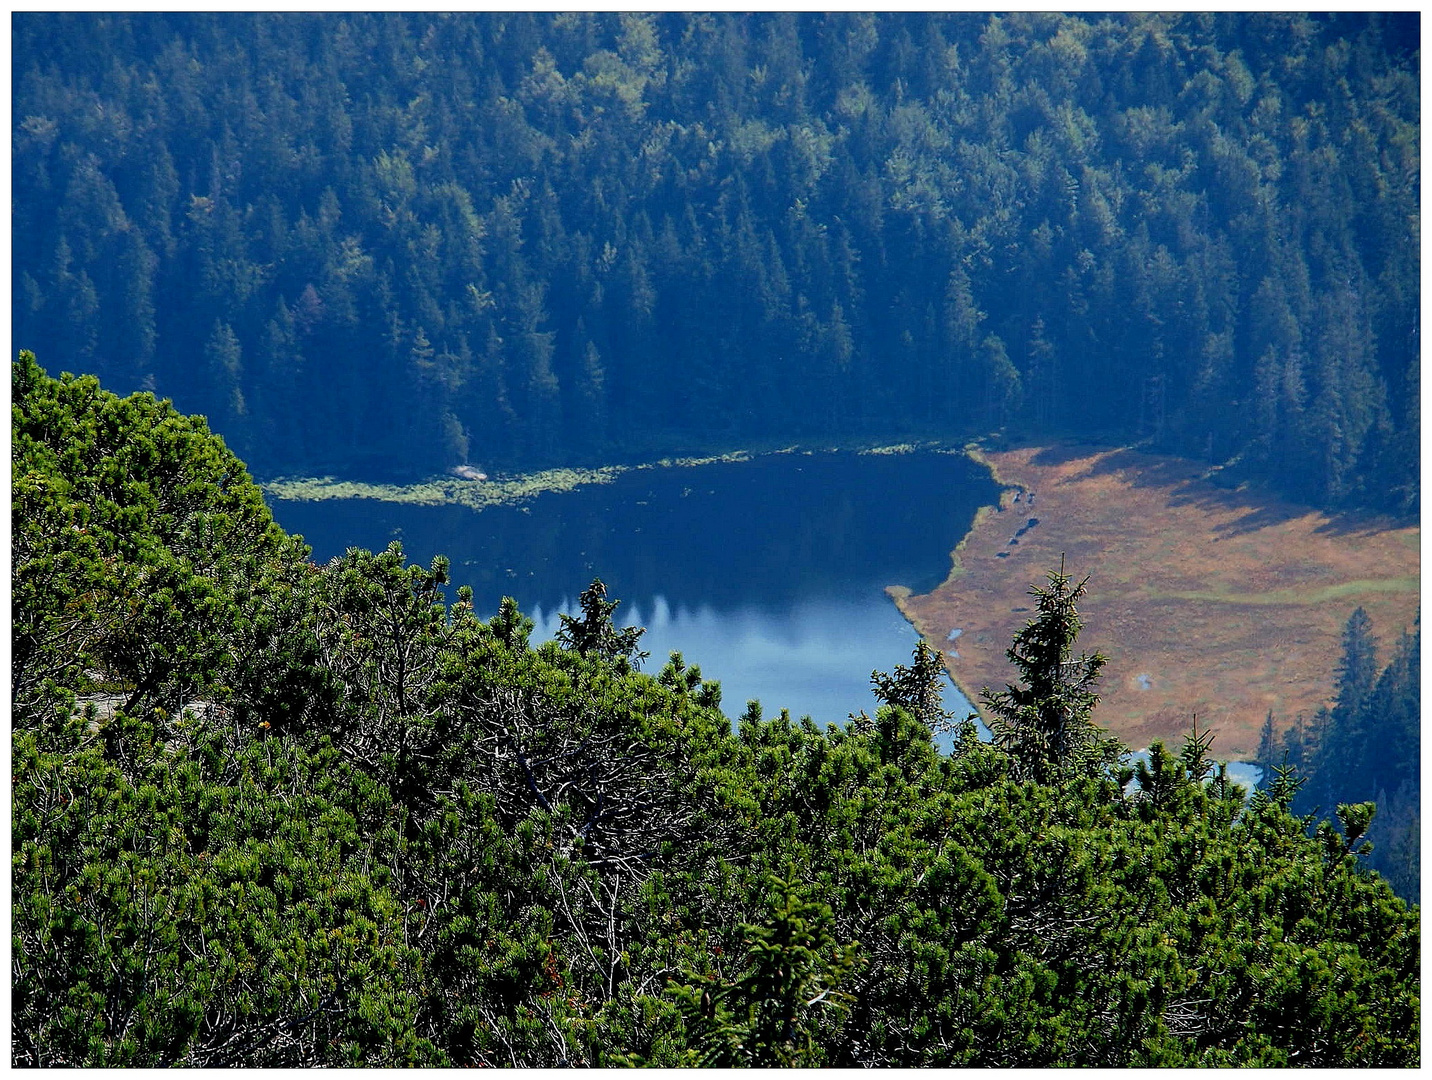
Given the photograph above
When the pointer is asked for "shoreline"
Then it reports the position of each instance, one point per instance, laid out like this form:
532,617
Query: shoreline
900,594
1220,603
514,489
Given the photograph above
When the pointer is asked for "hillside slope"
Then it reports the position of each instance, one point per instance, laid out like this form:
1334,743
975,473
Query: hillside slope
269,813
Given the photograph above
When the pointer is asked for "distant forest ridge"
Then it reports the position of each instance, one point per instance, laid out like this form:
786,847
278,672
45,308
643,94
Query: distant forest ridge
383,245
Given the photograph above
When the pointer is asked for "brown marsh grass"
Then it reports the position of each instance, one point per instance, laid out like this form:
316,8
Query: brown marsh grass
1206,600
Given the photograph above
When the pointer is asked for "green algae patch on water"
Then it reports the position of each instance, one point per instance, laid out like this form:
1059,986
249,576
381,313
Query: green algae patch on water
444,491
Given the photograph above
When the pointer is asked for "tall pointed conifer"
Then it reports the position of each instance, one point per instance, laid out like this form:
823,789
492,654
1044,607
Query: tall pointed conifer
1046,725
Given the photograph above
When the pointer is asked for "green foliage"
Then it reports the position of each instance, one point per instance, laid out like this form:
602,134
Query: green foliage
1366,749
770,1015
133,529
381,832
378,246
917,689
595,633
201,902
1046,724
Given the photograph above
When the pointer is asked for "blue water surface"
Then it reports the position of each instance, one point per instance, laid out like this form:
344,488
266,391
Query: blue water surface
769,573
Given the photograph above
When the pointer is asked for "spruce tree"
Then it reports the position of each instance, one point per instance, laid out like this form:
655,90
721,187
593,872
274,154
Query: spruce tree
1267,748
595,632
1340,766
917,689
1045,724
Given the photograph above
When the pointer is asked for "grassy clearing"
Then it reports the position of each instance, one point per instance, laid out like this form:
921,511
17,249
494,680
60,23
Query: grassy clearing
1208,601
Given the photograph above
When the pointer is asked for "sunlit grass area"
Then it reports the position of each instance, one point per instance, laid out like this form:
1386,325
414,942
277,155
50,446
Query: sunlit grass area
1208,601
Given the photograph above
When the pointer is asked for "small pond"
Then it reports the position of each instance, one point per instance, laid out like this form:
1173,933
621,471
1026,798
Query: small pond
768,573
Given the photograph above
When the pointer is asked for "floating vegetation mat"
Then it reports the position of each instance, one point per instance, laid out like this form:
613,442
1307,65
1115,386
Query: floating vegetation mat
475,494
515,490
449,490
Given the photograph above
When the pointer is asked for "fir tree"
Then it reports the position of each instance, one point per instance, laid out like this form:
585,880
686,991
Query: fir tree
1045,724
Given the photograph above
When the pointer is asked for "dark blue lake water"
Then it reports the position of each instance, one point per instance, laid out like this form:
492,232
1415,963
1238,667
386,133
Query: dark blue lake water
768,573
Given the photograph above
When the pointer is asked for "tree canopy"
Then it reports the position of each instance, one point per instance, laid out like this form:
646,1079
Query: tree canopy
393,243
1365,749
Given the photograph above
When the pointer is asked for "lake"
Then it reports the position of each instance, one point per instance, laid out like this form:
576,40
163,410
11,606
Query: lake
768,573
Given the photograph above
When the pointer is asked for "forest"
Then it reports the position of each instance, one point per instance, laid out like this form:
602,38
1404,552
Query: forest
385,245
1367,745
267,812
271,812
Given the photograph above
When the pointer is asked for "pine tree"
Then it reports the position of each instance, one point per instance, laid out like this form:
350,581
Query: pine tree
1295,745
1266,744
1339,765
771,1015
595,633
1267,748
1043,374
1357,673
224,357
1045,724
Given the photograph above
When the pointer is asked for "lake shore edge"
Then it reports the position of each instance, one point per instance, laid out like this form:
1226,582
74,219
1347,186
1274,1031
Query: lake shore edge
514,489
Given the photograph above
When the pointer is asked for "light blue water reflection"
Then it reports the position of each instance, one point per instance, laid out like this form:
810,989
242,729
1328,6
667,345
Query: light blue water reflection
815,658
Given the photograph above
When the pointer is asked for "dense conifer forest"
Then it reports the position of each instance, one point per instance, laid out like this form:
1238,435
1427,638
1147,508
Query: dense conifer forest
525,239
1366,746
267,812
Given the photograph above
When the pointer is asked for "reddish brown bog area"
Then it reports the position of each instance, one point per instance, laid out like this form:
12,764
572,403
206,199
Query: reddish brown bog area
1207,601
